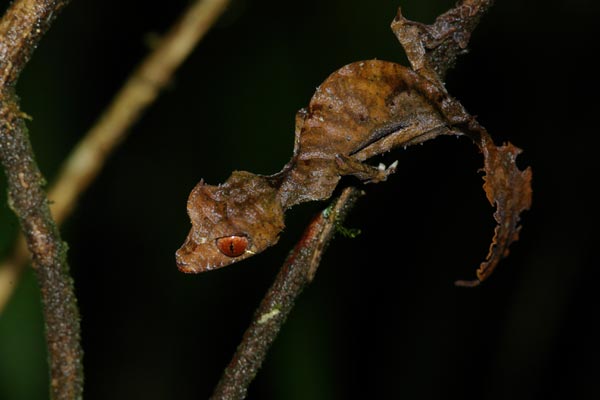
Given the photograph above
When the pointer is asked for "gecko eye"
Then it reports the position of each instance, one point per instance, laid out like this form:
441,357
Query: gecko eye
232,246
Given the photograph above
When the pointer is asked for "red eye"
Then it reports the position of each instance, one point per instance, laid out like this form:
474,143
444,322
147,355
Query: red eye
232,246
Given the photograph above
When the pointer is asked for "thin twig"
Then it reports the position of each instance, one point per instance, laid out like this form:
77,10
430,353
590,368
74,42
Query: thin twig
296,272
20,30
141,89
292,278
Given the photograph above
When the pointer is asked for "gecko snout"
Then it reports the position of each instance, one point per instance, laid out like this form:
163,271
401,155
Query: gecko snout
184,257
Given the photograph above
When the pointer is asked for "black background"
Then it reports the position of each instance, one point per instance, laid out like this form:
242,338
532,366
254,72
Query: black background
382,318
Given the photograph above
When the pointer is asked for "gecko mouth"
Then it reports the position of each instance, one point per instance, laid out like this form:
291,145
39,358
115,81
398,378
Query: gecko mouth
191,257
183,258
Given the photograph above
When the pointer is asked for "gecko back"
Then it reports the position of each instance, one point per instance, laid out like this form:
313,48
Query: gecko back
361,110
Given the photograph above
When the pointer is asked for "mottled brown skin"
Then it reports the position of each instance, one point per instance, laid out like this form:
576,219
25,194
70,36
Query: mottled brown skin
245,205
364,109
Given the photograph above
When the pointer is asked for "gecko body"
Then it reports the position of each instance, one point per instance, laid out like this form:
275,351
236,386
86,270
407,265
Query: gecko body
361,110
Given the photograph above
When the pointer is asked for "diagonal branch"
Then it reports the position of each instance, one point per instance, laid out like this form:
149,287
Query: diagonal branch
452,31
297,271
139,91
20,31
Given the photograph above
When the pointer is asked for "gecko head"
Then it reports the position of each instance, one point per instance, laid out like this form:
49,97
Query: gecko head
230,222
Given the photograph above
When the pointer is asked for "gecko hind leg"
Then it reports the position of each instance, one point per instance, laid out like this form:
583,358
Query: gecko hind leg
365,172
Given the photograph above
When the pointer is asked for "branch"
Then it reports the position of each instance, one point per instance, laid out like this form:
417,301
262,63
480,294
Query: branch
139,91
20,31
297,271
21,28
276,305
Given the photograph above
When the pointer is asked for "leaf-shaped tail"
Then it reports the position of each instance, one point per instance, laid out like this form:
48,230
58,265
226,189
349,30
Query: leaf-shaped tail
509,189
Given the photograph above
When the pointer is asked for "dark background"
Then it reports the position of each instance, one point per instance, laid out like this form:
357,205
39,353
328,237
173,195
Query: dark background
382,318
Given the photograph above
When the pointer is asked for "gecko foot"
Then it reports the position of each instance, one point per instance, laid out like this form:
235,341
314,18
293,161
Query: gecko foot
367,173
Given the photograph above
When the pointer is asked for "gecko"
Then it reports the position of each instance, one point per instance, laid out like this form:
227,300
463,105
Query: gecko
364,109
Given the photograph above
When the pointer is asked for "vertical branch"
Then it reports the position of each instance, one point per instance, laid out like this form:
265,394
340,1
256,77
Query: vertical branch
28,200
20,30
297,271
